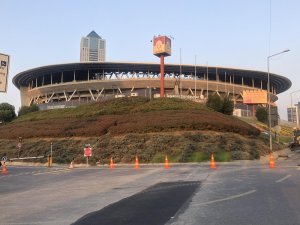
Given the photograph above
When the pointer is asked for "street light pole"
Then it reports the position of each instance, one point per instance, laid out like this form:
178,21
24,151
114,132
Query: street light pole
51,150
269,96
180,72
195,75
50,160
206,80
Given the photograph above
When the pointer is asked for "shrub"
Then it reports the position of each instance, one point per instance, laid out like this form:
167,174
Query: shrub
187,152
236,147
199,157
262,114
7,112
239,155
158,158
222,156
254,154
228,106
28,109
214,101
223,105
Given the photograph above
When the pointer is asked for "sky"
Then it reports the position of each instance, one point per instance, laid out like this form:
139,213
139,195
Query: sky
231,33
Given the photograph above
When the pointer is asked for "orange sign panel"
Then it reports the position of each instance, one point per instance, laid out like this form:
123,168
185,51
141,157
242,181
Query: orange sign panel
162,46
255,97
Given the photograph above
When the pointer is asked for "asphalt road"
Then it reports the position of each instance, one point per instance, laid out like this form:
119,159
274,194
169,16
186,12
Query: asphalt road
146,207
236,193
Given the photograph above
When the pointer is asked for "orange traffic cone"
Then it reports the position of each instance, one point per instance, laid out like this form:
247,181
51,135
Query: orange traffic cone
136,165
71,165
167,166
212,162
111,164
271,161
4,170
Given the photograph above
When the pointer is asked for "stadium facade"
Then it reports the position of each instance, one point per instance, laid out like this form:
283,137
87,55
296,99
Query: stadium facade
64,85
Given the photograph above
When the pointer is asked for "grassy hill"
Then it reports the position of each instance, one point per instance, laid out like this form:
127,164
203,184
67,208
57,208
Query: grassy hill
123,116
122,128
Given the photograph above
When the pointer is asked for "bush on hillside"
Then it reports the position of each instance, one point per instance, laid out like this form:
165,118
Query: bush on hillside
7,112
214,101
220,104
228,106
262,114
28,109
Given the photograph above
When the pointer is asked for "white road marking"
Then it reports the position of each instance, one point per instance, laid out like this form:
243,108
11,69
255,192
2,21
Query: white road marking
284,178
52,172
228,198
37,223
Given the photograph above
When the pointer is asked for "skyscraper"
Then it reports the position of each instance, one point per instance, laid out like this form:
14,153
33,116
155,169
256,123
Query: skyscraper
293,113
92,48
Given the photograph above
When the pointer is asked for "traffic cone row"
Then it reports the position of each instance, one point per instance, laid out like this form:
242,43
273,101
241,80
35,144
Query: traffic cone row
167,166
111,164
271,161
212,162
71,165
136,165
4,170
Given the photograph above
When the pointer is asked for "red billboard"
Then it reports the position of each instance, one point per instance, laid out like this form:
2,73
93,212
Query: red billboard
162,46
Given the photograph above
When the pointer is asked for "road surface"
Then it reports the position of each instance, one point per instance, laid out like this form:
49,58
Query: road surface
235,193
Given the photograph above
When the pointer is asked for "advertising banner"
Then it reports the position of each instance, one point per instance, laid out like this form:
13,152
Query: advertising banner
161,46
4,63
255,97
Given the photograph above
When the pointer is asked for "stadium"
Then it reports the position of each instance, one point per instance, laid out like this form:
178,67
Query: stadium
67,85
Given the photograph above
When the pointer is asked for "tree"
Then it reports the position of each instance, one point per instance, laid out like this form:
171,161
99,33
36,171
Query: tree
7,112
223,105
262,114
228,105
214,101
28,109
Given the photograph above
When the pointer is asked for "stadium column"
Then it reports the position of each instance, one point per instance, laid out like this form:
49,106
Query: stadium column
162,73
25,99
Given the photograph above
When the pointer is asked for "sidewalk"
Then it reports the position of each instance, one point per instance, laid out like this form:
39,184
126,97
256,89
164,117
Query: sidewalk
281,154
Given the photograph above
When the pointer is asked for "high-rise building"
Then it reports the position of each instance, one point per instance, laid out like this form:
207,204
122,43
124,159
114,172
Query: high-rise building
293,114
92,48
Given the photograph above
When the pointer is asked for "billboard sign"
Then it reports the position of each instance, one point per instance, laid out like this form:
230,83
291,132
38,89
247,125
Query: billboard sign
162,46
4,63
255,97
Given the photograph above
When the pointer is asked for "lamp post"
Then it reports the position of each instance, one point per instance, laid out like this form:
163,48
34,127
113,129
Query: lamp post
269,96
180,72
19,146
51,150
195,76
50,158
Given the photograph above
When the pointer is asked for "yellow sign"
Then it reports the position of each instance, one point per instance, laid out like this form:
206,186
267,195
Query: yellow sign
4,62
162,46
255,97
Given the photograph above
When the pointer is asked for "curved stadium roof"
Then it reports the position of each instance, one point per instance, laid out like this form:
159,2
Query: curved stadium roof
280,83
